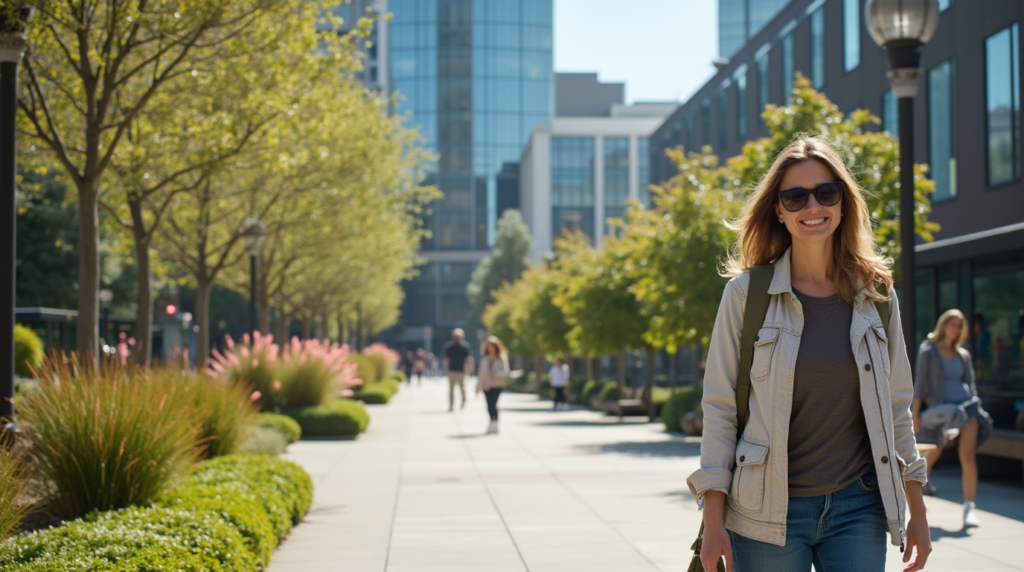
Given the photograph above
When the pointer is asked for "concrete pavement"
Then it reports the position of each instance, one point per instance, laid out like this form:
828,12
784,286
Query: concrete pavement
425,490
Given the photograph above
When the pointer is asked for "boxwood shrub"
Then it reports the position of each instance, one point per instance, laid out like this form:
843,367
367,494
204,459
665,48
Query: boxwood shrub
28,351
682,401
375,394
227,516
283,424
338,418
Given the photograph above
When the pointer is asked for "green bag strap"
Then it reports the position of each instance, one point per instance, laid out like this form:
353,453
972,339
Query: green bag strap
883,307
753,319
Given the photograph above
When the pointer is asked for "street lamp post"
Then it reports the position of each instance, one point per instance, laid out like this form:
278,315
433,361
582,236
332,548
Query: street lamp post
13,43
903,27
255,232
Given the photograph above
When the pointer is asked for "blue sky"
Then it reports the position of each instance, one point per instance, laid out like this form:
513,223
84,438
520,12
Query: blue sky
661,49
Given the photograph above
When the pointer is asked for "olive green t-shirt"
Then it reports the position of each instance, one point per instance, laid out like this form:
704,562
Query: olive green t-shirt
828,437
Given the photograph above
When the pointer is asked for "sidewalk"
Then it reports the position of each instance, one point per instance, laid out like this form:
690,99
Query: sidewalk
424,490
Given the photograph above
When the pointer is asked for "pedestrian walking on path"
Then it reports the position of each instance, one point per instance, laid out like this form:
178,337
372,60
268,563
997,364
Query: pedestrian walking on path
559,376
458,359
490,378
826,461
946,390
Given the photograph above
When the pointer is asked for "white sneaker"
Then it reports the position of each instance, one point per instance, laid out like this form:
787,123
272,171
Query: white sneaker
970,515
492,428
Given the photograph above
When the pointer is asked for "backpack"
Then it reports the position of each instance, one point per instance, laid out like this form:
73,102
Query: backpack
753,319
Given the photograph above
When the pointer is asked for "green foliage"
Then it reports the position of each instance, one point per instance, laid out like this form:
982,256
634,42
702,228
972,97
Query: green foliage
13,480
28,351
263,441
224,411
610,392
680,403
47,240
367,368
389,384
506,263
107,440
227,516
576,386
398,376
382,367
338,418
376,394
286,426
593,388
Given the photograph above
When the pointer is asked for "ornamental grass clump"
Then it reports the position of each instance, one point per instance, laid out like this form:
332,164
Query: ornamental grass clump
384,359
252,365
106,439
12,486
224,410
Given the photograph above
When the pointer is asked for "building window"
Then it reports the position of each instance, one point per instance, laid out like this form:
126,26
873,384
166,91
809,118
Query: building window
740,79
572,185
998,282
689,144
616,178
787,66
818,48
941,130
644,170
945,5
890,114
1002,99
723,116
851,34
762,84
705,123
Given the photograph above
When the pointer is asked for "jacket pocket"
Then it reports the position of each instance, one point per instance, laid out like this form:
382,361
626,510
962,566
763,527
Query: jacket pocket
748,479
883,347
764,347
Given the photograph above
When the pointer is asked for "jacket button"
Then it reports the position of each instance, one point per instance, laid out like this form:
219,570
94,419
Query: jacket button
885,460
743,458
867,367
757,338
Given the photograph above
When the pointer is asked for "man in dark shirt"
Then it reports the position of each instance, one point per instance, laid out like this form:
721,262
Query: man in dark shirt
458,359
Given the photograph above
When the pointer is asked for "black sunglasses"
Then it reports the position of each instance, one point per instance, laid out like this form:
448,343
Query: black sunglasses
827,195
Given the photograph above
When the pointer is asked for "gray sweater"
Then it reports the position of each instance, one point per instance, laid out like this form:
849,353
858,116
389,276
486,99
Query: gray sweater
929,379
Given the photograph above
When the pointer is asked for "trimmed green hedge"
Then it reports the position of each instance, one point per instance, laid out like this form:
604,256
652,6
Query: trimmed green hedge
226,516
682,401
376,394
283,424
338,418
28,351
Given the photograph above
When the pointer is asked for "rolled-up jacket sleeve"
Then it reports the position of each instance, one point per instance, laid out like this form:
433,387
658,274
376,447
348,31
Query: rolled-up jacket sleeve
901,389
718,445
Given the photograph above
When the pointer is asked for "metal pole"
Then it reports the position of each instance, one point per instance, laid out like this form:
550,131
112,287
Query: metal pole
8,215
253,328
908,304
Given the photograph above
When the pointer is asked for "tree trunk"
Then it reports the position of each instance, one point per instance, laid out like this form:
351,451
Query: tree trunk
281,327
622,371
649,388
88,329
202,319
588,368
263,307
143,352
307,328
673,370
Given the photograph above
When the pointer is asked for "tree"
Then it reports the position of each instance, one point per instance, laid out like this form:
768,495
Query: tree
511,256
91,70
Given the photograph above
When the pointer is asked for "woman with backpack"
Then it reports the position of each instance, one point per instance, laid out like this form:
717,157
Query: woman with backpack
813,447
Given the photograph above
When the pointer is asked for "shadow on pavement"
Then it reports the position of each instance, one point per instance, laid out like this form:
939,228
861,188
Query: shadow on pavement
608,422
645,449
938,533
1005,498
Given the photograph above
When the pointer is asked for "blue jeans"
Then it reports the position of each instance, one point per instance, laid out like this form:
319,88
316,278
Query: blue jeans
842,531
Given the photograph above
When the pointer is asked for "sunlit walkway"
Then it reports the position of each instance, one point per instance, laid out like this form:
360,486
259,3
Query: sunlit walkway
425,490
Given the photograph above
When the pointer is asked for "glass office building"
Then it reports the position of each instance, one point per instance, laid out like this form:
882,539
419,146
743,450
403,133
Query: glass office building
475,77
739,20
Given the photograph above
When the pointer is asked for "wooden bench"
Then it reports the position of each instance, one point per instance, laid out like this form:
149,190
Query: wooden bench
1006,443
624,407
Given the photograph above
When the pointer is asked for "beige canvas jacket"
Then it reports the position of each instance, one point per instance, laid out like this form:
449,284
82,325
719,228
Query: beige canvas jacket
491,373
753,471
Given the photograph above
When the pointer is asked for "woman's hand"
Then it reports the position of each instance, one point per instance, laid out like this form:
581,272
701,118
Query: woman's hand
917,424
716,543
918,534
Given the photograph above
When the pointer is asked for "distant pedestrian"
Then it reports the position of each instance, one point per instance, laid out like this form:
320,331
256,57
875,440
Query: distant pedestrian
945,389
491,378
458,359
407,361
559,376
419,365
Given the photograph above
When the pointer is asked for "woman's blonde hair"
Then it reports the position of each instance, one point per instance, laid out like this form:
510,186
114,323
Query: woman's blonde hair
940,327
497,343
763,239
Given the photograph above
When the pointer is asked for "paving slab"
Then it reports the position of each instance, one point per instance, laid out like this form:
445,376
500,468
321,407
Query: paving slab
424,490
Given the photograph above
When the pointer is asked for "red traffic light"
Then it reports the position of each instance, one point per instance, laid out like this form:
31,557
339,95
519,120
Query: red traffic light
171,309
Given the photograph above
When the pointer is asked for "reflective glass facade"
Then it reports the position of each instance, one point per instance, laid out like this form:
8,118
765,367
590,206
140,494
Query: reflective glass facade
818,48
740,20
890,114
788,66
740,79
616,178
474,76
1002,93
644,169
762,84
572,185
941,131
851,34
